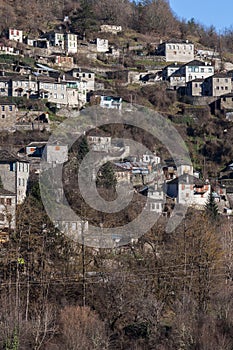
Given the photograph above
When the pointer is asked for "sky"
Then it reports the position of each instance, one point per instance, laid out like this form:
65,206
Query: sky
218,13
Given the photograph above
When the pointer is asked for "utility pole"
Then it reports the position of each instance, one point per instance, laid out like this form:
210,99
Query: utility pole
83,264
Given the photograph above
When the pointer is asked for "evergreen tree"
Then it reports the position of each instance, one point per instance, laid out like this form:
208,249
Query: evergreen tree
83,148
211,206
106,176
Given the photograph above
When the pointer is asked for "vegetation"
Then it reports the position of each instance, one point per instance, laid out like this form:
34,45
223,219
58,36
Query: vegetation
164,291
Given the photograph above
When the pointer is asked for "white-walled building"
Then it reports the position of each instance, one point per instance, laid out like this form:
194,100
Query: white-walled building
56,153
84,75
113,29
7,209
70,43
14,173
176,51
16,35
101,45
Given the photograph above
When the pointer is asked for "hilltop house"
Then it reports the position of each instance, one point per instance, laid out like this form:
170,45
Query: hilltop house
7,209
188,190
63,90
111,102
156,198
55,153
65,41
190,71
84,75
99,141
15,35
14,173
194,87
101,45
113,29
217,85
7,115
175,51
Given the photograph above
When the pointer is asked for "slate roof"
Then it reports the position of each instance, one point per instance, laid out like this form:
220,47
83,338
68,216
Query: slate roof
187,179
4,192
10,157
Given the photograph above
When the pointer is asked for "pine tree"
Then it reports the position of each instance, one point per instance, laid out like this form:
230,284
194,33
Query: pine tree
107,177
211,206
83,148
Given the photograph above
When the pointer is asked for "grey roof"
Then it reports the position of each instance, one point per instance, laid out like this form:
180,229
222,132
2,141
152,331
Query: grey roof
23,78
9,157
197,80
80,70
4,192
196,63
187,179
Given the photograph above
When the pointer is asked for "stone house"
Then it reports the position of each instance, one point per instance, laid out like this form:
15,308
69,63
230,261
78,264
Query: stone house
5,85
113,29
101,45
70,43
170,69
217,85
65,41
23,85
63,61
15,34
7,115
99,141
188,190
226,103
177,79
156,198
197,70
84,75
62,90
123,175
194,87
7,209
175,51
14,173
111,102
56,153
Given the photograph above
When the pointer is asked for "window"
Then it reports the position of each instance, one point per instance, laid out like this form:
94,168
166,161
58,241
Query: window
3,108
12,166
202,70
226,87
62,96
2,217
55,95
19,182
2,201
226,80
10,108
89,75
8,201
210,70
3,116
55,86
217,87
